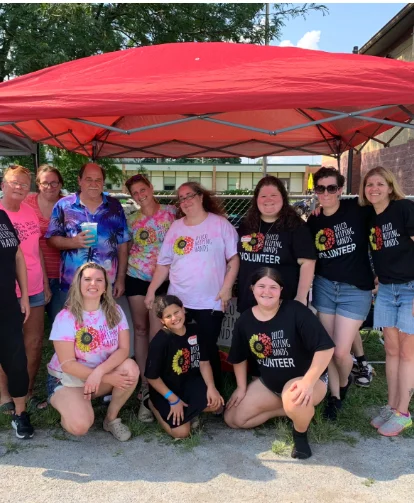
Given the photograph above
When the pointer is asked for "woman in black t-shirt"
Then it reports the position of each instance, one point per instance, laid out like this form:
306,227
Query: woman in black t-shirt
12,316
292,351
178,371
273,235
391,236
343,284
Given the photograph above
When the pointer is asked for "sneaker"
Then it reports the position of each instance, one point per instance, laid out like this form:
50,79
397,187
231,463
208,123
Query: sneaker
384,415
119,430
395,425
363,376
143,392
22,426
144,413
332,407
355,365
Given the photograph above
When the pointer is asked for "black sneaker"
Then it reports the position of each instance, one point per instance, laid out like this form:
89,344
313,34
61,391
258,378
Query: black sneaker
363,376
22,426
333,405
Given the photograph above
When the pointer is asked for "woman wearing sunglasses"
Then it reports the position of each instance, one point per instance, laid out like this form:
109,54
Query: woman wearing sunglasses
199,254
147,228
343,276
49,182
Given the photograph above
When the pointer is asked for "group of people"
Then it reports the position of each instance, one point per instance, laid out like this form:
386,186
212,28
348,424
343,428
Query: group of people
177,266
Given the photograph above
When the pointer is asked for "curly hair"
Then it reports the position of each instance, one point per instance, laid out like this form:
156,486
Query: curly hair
210,203
287,219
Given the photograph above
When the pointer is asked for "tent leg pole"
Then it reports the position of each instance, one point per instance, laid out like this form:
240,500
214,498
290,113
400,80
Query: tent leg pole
349,174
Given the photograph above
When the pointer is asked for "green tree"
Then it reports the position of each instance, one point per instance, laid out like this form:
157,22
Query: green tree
34,36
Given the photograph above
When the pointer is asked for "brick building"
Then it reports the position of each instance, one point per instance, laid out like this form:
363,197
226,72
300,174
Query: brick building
394,148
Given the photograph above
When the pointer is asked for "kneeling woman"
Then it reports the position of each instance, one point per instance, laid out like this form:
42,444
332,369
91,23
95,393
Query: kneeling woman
178,371
91,340
292,350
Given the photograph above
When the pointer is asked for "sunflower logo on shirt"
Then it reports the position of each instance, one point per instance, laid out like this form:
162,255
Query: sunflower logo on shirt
375,238
324,239
146,236
261,345
87,339
183,245
253,242
181,361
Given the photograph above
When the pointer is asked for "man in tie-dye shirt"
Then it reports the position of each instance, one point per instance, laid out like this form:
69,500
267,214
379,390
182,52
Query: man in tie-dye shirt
65,232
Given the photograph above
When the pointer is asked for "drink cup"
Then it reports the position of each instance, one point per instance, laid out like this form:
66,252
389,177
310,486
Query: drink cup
92,228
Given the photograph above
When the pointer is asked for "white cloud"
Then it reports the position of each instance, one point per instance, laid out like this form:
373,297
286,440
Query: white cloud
309,41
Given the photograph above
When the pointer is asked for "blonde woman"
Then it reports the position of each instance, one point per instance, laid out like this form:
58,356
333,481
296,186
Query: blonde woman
391,238
91,341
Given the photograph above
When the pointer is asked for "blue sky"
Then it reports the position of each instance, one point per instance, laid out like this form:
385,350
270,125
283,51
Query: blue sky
346,25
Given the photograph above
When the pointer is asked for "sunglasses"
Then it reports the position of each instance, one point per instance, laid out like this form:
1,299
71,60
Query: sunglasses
331,189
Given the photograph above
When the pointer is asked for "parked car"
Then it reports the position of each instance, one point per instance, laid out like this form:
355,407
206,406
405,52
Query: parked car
129,205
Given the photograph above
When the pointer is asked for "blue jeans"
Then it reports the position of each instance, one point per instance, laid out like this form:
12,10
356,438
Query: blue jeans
55,305
394,307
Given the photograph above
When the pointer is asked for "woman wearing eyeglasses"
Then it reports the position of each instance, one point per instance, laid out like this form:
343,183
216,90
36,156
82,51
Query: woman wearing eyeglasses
343,277
199,254
49,182
147,227
16,186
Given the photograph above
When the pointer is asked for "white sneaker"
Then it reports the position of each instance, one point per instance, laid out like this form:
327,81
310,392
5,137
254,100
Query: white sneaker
144,414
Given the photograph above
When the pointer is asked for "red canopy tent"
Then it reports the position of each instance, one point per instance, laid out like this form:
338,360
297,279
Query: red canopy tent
210,100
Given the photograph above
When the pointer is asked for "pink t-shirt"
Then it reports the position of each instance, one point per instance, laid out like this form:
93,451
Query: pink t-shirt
94,341
198,256
27,226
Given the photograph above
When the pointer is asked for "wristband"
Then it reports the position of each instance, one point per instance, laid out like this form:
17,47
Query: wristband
175,403
168,394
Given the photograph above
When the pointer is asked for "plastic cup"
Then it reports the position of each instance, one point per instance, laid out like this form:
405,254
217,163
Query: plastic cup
92,228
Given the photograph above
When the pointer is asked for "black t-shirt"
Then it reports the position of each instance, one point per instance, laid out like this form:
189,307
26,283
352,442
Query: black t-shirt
275,248
8,249
341,242
392,248
174,358
283,347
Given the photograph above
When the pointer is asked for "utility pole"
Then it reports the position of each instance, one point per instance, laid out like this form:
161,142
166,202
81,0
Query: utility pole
267,41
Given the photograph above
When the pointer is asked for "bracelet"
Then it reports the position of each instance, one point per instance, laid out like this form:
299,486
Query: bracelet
168,394
175,403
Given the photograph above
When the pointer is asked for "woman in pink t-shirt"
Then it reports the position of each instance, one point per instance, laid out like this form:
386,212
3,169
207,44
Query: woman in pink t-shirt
49,182
16,185
199,254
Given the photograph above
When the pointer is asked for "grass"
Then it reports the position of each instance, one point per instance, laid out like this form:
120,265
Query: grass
354,418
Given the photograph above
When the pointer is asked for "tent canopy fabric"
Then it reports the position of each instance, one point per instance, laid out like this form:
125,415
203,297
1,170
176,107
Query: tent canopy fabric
210,100
14,145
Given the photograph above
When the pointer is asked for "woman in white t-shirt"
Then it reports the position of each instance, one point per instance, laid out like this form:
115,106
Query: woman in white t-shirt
91,340
199,254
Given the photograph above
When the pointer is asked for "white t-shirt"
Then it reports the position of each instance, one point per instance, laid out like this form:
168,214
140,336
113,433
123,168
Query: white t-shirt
94,341
197,256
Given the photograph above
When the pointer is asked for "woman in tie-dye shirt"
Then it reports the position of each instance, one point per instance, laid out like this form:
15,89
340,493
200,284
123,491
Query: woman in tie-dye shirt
147,228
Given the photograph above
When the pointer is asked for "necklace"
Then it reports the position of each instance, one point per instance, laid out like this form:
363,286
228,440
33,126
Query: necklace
268,230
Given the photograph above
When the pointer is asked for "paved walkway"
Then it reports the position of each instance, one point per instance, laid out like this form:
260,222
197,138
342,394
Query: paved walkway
227,466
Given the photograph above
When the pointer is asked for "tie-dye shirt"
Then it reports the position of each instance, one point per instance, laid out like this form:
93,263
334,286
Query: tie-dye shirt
197,256
66,219
94,341
147,235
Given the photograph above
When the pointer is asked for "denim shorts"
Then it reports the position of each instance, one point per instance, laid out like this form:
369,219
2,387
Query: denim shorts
394,307
332,297
37,300
52,385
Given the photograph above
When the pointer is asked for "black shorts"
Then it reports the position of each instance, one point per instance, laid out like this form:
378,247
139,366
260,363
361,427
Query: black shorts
323,378
136,286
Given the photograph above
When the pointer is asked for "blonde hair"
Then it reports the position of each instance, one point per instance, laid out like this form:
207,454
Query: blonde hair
16,169
74,304
389,177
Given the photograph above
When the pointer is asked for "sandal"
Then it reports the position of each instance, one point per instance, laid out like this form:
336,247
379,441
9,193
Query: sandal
36,403
7,408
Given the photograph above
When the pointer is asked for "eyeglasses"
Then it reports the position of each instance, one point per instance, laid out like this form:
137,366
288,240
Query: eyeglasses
14,184
187,198
331,189
46,185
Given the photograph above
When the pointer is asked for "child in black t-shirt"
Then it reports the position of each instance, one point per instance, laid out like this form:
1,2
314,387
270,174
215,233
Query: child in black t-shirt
292,351
178,371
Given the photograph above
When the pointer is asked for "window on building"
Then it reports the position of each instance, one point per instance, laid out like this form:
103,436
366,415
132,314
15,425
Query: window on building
256,179
169,182
108,186
286,183
233,181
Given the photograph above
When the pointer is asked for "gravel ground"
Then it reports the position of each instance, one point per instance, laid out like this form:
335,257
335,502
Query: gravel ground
227,466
